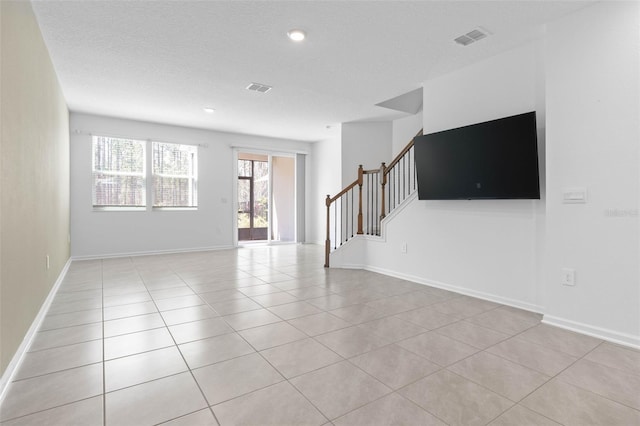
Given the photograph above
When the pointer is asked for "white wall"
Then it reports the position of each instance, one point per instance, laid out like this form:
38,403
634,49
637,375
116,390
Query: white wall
368,144
593,135
283,206
101,233
34,176
404,129
325,179
583,80
482,247
302,205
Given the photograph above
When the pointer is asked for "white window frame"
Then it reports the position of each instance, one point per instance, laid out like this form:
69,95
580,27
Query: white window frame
143,174
193,178
148,175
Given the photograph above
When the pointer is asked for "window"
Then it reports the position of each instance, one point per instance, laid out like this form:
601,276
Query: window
119,172
175,175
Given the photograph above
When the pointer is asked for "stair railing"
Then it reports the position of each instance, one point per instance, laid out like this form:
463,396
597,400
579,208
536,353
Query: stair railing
372,200
378,190
399,178
343,215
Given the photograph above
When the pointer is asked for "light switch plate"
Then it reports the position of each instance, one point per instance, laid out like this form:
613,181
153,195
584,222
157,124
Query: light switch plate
574,195
568,276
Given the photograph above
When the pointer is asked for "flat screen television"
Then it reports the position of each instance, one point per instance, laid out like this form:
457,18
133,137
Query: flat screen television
496,159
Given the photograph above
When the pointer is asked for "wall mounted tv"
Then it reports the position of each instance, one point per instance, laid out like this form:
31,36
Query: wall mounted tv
496,159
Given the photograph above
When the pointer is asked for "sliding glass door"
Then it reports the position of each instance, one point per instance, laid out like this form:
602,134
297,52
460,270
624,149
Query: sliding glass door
253,198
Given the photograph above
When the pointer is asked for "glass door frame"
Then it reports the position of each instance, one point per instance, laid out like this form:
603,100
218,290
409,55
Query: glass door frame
254,231
236,180
270,154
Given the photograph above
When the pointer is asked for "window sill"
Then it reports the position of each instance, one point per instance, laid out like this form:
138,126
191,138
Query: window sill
171,209
119,209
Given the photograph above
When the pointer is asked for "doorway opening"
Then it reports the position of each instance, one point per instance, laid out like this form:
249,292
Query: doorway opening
268,197
253,196
283,197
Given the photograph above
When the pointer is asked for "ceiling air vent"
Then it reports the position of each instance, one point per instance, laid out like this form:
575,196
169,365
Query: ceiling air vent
472,37
257,87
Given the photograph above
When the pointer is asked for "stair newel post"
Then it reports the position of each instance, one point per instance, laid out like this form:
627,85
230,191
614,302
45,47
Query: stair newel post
383,183
360,181
327,242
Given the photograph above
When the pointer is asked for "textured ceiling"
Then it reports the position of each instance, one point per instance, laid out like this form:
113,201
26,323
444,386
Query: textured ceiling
163,61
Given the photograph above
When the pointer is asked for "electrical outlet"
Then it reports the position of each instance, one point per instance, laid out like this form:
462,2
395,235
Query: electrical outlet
48,262
404,248
568,276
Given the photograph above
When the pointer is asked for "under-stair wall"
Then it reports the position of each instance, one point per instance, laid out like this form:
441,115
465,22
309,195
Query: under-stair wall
512,251
486,248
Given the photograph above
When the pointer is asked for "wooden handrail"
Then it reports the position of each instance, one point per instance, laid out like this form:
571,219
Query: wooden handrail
383,172
330,200
360,182
383,184
403,152
327,242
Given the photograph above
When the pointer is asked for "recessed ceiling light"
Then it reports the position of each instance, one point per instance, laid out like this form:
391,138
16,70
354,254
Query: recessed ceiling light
296,35
209,110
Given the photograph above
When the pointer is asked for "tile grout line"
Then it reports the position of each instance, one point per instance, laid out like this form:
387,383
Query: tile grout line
54,372
366,373
589,390
524,366
178,346
441,368
69,344
543,384
47,409
515,336
104,374
446,367
285,379
313,338
343,359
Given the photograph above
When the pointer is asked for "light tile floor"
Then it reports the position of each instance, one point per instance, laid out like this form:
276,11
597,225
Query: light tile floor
266,335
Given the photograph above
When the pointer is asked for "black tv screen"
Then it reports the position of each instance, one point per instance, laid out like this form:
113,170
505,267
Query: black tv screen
496,159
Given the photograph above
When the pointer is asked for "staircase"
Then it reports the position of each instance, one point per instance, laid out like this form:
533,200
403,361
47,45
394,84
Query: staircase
360,207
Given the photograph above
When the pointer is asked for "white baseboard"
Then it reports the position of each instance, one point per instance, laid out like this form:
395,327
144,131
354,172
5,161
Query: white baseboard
598,332
349,266
261,243
462,290
589,330
149,253
15,362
